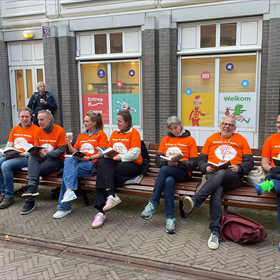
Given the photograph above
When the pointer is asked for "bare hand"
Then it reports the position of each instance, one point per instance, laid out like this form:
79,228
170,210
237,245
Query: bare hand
43,101
211,169
67,140
233,168
117,157
42,153
83,158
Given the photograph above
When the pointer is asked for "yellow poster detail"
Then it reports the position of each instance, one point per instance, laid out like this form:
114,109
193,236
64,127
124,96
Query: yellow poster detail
198,109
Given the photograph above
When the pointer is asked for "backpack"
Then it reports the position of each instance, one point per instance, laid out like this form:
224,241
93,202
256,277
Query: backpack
145,158
241,229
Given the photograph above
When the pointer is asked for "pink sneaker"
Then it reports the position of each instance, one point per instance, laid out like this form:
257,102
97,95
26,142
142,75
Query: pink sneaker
111,202
99,219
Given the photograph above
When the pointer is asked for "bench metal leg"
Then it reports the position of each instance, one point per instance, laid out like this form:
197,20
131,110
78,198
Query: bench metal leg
85,197
225,208
182,213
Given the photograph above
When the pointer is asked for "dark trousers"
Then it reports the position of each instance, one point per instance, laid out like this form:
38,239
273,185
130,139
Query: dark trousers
38,166
111,174
214,186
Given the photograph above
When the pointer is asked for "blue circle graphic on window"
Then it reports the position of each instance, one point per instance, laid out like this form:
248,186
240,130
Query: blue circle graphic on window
188,91
245,83
229,66
131,73
101,73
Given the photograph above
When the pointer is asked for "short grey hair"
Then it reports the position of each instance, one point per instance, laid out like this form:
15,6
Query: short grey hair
38,84
48,114
173,120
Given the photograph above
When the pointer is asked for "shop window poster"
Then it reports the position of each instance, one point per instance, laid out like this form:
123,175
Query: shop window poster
126,102
240,106
198,109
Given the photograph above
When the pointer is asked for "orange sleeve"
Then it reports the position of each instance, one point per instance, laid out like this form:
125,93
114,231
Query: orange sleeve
11,136
135,141
193,148
61,141
246,150
161,148
266,150
103,140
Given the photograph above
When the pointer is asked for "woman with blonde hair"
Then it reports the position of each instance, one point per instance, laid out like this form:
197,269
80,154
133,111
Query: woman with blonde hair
76,168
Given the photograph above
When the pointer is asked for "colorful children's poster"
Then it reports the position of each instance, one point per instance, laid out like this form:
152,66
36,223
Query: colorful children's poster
126,102
198,109
239,105
97,103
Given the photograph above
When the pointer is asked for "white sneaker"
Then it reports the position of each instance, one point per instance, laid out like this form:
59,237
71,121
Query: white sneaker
68,197
60,214
213,242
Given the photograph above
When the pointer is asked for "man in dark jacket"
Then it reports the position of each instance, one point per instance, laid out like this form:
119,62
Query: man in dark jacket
41,100
219,148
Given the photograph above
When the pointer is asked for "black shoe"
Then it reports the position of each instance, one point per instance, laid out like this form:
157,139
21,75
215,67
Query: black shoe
31,191
28,207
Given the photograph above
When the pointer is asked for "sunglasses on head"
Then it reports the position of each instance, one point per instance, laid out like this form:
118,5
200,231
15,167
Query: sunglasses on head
229,124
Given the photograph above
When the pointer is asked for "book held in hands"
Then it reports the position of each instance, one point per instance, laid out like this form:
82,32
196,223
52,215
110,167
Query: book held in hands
276,161
10,151
110,152
220,165
76,155
173,158
35,148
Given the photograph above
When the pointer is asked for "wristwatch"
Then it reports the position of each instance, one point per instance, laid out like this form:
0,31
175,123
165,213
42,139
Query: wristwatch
89,158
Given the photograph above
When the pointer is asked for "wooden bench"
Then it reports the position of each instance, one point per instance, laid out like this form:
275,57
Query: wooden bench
244,196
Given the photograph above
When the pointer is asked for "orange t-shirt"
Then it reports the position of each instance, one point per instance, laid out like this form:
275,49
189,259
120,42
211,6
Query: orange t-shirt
87,144
123,142
20,135
234,152
271,147
186,146
50,141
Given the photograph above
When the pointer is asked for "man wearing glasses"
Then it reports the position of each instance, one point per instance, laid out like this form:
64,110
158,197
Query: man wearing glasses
219,148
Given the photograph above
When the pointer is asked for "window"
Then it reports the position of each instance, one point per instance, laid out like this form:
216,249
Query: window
100,43
208,36
228,35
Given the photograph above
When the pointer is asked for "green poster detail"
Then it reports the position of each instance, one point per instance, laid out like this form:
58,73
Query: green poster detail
126,102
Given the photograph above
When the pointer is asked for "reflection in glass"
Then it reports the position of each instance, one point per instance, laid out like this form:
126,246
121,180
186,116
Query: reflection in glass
100,44
228,34
128,74
40,77
20,89
116,43
208,36
29,83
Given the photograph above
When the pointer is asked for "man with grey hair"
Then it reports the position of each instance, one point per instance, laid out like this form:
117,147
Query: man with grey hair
41,100
219,148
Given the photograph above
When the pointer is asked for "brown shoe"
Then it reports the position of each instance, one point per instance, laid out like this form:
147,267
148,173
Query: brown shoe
7,202
1,197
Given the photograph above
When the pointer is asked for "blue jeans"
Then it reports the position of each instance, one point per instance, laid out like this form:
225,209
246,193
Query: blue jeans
165,181
7,166
276,184
74,169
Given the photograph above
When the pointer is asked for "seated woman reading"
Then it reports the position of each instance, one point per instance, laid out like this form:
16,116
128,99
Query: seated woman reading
76,168
113,172
177,141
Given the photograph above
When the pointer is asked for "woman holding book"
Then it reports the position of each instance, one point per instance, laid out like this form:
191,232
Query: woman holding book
177,141
21,138
113,172
48,160
81,166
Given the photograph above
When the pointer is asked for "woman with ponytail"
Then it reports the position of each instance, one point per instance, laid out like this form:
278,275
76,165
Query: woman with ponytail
76,168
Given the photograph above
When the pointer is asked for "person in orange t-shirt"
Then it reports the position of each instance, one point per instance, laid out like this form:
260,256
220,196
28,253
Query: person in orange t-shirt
271,148
220,147
177,141
51,138
114,172
76,168
21,138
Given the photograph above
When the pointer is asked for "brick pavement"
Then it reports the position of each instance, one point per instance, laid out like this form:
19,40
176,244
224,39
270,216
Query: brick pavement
126,234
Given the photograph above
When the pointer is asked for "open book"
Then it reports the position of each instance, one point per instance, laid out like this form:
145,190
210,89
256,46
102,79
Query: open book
173,158
35,148
110,152
276,161
76,155
11,152
220,165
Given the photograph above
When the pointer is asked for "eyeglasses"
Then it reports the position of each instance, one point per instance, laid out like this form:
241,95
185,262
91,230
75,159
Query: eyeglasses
229,124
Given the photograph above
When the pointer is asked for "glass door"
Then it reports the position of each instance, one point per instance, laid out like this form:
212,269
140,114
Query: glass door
23,81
